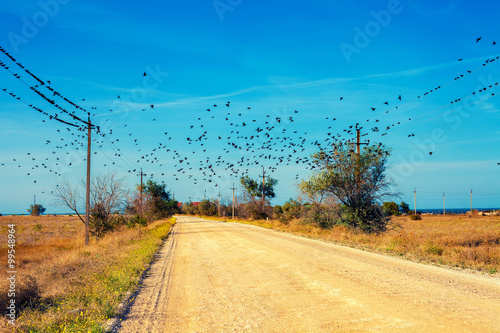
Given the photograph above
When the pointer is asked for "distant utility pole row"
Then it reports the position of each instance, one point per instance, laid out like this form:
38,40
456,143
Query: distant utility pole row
444,201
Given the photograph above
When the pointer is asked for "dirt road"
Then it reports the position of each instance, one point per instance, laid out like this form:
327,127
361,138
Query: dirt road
227,277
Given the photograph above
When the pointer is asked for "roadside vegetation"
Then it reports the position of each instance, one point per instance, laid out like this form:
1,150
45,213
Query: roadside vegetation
109,198
65,286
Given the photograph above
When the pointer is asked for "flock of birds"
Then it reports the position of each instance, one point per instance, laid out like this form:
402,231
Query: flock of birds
267,142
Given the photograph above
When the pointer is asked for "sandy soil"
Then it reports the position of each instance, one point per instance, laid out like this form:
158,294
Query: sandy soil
225,277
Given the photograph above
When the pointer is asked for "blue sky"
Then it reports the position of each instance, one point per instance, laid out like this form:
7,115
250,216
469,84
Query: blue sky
274,57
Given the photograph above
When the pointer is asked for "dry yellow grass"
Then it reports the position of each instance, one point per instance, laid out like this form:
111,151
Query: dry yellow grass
79,286
451,240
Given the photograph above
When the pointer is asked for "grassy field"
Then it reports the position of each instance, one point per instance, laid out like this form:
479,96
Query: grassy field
451,240
72,287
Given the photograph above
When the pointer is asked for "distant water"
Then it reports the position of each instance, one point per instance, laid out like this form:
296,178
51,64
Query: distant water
453,210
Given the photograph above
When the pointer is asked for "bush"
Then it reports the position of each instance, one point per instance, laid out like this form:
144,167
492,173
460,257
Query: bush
292,209
207,208
415,217
27,292
390,208
277,211
136,220
369,219
322,216
404,207
36,210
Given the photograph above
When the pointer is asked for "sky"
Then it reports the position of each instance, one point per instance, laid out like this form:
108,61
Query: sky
306,60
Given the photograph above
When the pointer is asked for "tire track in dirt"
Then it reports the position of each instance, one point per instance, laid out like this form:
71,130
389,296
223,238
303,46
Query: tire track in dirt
147,311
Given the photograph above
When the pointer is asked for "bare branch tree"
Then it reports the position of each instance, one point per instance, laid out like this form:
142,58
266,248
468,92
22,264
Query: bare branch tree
107,193
67,195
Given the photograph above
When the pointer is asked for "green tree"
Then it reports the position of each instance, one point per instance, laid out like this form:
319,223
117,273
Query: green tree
357,181
36,210
390,208
257,195
292,209
156,190
277,211
404,207
207,208
159,203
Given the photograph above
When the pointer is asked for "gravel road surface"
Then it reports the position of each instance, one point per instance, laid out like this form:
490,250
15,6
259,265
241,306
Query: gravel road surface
227,277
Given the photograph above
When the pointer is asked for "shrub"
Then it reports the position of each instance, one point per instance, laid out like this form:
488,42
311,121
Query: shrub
434,249
136,220
322,216
36,210
415,217
207,207
369,219
390,208
277,211
27,292
404,207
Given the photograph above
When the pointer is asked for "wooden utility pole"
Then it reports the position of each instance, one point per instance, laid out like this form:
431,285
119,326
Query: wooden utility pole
470,201
263,187
233,199
34,200
205,195
358,141
87,195
219,205
415,200
140,191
